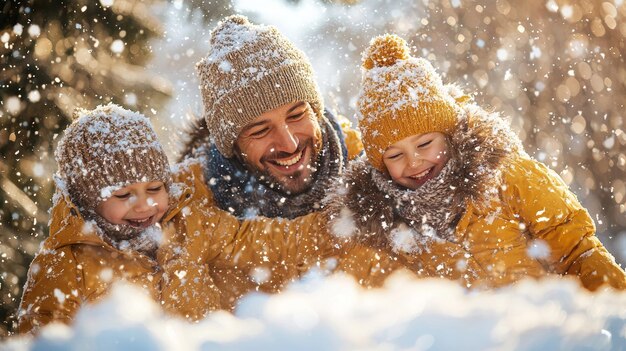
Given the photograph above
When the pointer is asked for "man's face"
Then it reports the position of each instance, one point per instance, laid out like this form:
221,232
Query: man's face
282,144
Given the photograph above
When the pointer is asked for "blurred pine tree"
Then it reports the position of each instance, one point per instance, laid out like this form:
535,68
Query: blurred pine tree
55,56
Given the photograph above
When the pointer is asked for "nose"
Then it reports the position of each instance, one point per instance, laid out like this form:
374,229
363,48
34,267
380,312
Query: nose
414,160
285,140
143,204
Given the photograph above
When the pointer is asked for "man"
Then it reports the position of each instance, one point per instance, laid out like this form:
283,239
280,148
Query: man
274,149
268,146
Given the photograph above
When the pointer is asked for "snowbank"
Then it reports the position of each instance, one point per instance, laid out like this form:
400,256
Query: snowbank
334,313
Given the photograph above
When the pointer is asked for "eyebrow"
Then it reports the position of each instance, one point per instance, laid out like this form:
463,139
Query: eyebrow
252,125
300,103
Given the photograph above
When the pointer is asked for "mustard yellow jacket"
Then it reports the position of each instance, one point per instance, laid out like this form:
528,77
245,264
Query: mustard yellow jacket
516,217
76,266
534,228
261,254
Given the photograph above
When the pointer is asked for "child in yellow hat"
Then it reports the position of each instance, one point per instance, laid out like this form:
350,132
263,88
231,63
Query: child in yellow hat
448,187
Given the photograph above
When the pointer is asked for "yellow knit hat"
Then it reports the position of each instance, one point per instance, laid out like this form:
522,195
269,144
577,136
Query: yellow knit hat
400,96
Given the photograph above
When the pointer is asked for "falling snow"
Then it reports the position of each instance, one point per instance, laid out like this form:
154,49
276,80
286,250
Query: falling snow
554,68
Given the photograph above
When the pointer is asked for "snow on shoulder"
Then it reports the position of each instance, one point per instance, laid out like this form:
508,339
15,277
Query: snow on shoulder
334,313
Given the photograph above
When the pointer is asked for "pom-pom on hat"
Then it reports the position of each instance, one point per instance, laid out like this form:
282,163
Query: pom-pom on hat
106,149
400,96
251,69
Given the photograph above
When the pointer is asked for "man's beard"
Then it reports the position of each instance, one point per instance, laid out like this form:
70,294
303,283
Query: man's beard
300,180
297,182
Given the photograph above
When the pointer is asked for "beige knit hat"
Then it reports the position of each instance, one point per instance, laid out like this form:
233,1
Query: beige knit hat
400,96
106,149
251,69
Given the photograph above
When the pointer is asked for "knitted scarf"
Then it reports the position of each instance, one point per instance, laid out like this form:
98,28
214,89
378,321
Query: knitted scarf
430,209
241,192
128,238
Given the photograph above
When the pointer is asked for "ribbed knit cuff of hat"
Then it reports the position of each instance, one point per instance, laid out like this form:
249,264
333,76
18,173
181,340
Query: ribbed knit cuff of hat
387,130
241,106
98,180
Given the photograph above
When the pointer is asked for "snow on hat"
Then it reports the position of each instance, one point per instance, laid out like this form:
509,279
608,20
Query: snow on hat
400,96
251,69
106,149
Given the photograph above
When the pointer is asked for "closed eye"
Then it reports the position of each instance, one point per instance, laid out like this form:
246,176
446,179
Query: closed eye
425,144
155,189
122,196
296,117
393,156
259,133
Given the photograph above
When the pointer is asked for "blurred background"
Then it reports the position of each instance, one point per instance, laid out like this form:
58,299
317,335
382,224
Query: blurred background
555,68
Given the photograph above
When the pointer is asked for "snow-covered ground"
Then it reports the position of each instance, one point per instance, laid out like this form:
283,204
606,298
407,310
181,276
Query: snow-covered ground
334,313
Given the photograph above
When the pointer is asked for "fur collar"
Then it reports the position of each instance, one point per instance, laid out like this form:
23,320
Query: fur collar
481,142
195,139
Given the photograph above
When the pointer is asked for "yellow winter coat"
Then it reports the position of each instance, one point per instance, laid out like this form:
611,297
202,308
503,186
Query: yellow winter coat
262,254
515,217
75,265
369,266
535,227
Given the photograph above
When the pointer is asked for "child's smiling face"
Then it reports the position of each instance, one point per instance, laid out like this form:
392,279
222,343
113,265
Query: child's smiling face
414,160
139,205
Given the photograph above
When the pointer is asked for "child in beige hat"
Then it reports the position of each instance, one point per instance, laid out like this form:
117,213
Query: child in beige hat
116,202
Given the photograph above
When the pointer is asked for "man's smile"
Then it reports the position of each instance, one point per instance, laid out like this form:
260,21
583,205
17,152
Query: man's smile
292,163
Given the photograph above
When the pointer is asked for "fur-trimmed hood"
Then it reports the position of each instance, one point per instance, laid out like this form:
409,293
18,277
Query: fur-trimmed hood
196,137
357,209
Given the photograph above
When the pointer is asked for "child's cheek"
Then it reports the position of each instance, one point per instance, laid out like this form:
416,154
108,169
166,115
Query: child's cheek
162,203
162,210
